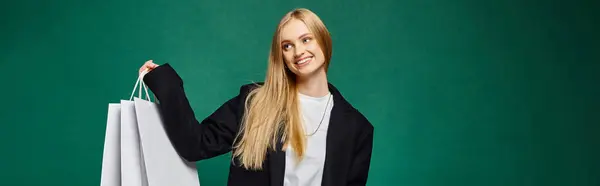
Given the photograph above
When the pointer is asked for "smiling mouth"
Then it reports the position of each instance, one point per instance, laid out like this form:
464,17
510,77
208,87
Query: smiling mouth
303,60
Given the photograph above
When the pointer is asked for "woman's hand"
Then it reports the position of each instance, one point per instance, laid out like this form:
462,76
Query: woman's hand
148,66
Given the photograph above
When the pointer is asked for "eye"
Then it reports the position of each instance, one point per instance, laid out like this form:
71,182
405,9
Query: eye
286,46
306,39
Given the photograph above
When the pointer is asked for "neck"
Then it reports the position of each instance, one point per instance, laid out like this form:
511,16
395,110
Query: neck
314,85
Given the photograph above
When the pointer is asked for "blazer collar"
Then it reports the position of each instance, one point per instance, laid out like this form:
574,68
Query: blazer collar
340,103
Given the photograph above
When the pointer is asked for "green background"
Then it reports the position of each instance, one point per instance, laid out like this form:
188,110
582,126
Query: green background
465,92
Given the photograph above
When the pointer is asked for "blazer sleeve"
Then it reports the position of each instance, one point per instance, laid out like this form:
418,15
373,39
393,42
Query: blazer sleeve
361,161
192,139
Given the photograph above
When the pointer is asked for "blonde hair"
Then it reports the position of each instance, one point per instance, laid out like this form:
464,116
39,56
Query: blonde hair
271,110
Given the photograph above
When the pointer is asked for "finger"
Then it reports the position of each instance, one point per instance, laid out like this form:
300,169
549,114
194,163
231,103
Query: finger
148,63
151,65
148,66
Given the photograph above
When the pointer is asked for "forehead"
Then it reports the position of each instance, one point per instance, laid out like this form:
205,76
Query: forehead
293,29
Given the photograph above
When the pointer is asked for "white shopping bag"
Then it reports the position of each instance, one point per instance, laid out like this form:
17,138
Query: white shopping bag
111,157
132,170
122,161
163,164
138,151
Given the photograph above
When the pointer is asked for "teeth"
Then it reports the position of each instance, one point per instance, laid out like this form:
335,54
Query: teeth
304,60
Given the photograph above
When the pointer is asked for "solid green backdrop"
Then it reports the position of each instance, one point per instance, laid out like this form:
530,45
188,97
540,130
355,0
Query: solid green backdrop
501,92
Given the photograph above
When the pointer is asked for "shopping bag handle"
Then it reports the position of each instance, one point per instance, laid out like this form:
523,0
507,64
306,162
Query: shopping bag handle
142,85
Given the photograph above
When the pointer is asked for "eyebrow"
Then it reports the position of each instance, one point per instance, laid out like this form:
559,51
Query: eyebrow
301,36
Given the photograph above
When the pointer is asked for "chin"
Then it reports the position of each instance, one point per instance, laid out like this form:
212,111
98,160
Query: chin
305,72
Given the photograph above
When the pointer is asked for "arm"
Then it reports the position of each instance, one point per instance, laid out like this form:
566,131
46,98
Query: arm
359,169
193,140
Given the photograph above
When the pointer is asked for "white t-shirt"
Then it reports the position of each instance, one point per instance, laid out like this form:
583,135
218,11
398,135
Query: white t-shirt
309,171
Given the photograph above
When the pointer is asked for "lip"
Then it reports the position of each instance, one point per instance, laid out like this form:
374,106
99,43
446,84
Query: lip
300,66
300,59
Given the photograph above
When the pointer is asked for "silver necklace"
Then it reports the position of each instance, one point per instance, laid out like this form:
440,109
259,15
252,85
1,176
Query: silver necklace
322,117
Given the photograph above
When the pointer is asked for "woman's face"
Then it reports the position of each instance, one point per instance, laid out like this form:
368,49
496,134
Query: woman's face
301,51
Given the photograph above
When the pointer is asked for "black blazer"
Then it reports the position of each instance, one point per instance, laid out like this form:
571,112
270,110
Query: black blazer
348,148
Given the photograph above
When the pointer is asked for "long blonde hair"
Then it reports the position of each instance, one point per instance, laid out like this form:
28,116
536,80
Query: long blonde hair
272,111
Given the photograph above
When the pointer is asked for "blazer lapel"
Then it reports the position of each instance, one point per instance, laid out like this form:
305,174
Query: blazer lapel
335,136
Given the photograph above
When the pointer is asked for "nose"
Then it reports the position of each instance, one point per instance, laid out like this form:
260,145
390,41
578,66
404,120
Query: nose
299,51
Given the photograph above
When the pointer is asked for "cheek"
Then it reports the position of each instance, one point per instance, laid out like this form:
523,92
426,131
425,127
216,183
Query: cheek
288,57
315,49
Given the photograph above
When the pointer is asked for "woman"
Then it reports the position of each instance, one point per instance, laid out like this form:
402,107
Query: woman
293,129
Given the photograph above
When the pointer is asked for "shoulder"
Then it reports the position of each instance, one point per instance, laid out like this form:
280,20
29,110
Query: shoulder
361,121
245,89
359,126
357,117
362,127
